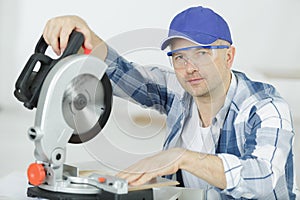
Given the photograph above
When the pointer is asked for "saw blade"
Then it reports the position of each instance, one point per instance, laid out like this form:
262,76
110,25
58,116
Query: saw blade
86,106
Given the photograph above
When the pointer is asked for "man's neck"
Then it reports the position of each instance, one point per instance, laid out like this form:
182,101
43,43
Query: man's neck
208,106
208,109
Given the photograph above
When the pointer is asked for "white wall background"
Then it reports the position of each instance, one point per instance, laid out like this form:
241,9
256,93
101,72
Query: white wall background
265,33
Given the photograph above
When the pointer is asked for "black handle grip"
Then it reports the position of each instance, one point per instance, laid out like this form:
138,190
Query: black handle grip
75,42
29,83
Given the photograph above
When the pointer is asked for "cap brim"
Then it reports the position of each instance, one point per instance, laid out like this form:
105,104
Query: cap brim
208,40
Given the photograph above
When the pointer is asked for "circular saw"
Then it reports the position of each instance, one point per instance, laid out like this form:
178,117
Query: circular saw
87,98
73,98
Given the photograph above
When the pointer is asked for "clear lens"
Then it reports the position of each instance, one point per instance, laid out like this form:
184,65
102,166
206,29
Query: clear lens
196,57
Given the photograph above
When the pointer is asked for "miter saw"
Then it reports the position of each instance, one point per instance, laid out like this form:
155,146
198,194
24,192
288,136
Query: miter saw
73,97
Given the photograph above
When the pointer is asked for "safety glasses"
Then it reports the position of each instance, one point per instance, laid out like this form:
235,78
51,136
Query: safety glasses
198,55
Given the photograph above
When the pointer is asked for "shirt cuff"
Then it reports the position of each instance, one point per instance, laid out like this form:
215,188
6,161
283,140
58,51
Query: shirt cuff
232,169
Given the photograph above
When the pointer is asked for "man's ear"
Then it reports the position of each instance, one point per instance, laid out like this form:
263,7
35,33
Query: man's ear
230,56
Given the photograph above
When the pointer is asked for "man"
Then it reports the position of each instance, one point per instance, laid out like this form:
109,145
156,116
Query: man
225,132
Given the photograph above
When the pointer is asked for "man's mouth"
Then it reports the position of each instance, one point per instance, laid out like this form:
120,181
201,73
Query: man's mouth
194,81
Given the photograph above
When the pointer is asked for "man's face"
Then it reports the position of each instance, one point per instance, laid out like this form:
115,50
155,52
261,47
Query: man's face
201,72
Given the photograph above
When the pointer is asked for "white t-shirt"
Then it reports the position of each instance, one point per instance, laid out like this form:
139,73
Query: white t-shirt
199,139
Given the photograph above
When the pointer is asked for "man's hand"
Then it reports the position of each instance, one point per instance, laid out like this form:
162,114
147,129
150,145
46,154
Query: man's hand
163,163
207,167
57,31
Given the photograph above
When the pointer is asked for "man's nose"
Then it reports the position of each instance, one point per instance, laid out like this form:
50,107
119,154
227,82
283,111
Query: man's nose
190,65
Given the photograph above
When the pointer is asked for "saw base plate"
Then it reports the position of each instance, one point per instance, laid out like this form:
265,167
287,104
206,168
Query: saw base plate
37,192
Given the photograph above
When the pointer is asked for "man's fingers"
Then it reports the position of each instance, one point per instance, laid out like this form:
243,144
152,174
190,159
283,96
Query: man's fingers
64,38
87,35
137,178
51,35
57,31
129,175
144,178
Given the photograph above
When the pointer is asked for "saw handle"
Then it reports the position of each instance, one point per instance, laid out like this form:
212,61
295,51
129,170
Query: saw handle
75,42
29,83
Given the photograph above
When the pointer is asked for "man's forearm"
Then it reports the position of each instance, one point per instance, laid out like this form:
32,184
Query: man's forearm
207,167
100,47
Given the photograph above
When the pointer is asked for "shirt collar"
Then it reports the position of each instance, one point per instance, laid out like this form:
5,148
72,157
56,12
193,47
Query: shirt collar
221,115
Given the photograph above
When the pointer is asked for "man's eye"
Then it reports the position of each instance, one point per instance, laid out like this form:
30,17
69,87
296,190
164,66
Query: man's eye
201,52
178,57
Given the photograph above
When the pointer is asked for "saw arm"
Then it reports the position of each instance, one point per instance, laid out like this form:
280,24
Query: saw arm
59,113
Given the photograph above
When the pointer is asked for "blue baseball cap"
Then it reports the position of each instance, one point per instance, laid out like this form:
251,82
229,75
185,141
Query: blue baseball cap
198,24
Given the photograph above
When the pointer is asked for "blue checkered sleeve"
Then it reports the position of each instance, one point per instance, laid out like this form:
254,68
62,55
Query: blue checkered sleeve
143,85
265,161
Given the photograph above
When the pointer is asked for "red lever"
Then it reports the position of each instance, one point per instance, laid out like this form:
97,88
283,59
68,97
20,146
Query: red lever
102,179
87,51
36,174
